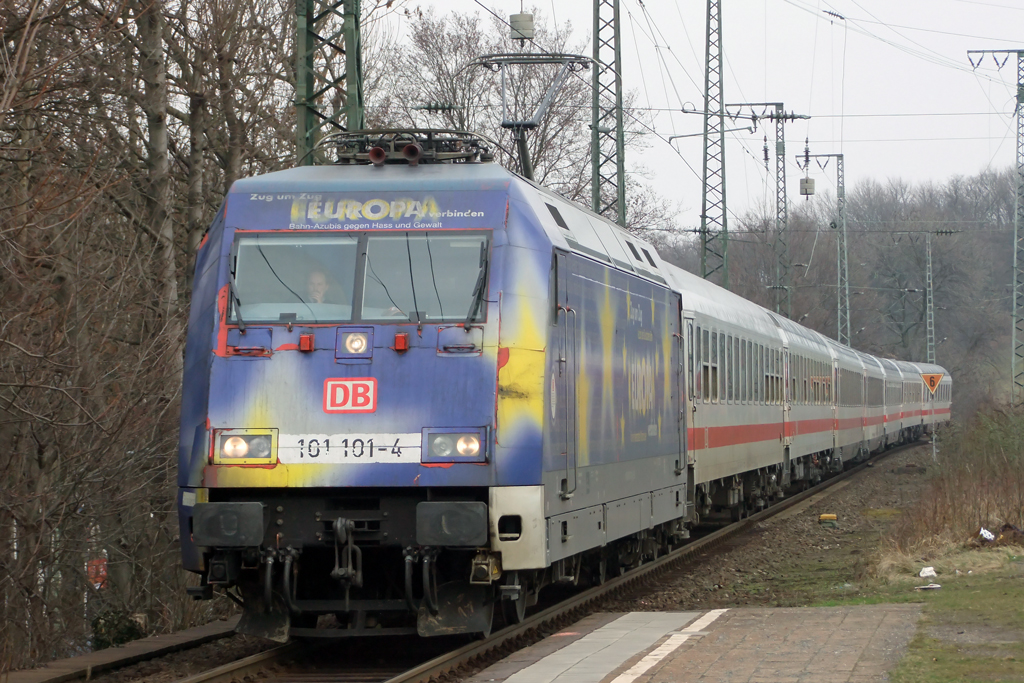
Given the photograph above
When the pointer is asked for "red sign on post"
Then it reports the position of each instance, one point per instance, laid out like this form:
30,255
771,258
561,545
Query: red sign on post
932,380
352,395
96,571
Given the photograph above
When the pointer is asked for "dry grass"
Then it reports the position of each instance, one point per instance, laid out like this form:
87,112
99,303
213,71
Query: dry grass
895,567
979,482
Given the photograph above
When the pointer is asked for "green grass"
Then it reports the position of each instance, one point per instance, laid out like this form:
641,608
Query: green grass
934,661
972,630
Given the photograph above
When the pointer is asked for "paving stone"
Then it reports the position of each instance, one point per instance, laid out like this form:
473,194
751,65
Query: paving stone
858,644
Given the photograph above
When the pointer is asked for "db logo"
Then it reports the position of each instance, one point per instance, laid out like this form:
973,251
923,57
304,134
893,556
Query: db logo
356,395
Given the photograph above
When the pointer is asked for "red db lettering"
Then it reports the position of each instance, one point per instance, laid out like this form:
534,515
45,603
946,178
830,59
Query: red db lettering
350,395
360,395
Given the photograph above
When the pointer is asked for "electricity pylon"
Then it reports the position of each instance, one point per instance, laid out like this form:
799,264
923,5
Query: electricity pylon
842,270
607,141
1017,331
775,111
321,47
714,227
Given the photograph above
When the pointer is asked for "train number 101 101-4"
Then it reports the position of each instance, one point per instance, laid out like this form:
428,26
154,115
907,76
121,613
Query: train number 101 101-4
345,448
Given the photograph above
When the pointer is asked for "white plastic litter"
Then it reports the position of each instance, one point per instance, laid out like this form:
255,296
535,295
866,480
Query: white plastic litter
927,573
929,587
987,535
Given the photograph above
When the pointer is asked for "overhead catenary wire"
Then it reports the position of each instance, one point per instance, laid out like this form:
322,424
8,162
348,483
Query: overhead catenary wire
925,54
655,28
626,112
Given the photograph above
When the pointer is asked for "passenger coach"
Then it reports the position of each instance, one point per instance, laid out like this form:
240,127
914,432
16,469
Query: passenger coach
420,390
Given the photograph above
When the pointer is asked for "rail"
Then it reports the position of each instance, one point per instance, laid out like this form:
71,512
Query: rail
512,638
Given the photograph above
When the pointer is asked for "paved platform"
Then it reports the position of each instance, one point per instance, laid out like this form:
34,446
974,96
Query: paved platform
857,644
87,665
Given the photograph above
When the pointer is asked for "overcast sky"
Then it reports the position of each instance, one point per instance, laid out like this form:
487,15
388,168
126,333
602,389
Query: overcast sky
890,86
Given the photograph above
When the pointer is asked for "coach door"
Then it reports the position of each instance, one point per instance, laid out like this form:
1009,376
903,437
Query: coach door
835,402
787,400
566,413
680,366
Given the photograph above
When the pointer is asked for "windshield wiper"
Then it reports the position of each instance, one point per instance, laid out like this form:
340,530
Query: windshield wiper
412,283
479,288
233,293
294,293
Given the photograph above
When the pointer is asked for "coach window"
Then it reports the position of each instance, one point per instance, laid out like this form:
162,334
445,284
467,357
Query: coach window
736,368
762,371
705,358
821,382
743,370
825,398
729,377
817,384
794,373
759,373
813,381
826,383
807,374
780,389
752,374
803,379
741,382
780,379
699,357
776,393
792,385
776,377
794,379
809,382
689,357
752,371
714,367
722,367
762,396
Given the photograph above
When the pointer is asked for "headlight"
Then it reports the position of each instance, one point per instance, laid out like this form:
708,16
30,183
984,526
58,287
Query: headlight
468,445
245,446
454,445
235,447
356,342
259,447
442,445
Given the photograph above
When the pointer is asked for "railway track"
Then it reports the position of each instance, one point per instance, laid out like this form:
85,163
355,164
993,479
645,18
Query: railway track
512,638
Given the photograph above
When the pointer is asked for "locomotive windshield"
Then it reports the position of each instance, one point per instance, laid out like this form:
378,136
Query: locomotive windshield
425,277
295,278
418,277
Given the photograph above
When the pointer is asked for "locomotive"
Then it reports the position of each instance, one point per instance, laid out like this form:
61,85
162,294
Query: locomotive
419,388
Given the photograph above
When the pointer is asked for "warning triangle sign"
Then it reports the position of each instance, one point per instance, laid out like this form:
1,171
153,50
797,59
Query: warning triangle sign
932,380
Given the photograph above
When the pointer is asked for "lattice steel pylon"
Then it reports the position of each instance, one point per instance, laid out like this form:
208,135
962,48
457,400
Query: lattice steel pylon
608,143
930,301
326,99
1017,329
842,251
714,226
842,267
783,271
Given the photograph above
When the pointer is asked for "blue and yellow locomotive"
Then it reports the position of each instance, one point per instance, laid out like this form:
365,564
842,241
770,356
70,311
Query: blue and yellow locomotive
419,388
